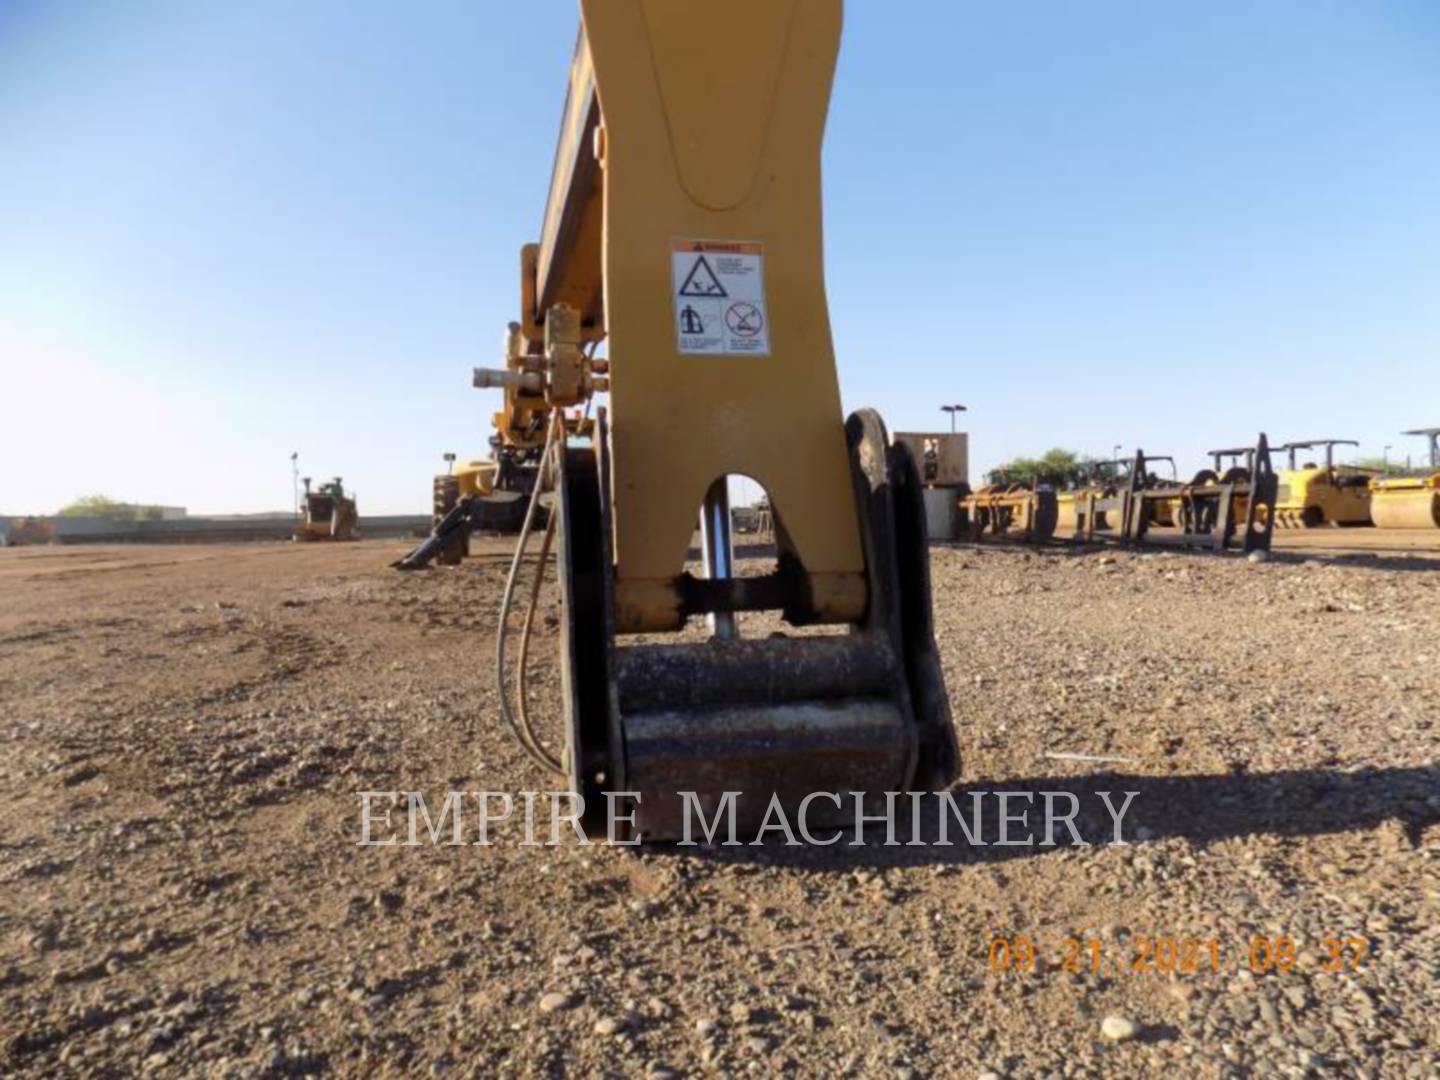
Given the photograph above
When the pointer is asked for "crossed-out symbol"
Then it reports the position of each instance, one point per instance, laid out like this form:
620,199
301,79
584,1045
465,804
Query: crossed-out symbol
744,320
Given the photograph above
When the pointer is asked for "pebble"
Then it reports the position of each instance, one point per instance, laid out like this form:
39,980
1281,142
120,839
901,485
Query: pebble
609,1025
1119,1028
706,1026
554,1002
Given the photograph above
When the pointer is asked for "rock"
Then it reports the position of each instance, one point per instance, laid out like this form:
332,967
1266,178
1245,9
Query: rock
1257,556
555,1002
706,1026
609,1025
1119,1028
741,1014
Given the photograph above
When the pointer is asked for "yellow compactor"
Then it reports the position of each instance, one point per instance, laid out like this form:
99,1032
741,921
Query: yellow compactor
1312,495
1409,502
683,229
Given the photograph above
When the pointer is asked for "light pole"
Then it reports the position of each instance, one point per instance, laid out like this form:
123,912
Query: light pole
952,410
295,483
1385,460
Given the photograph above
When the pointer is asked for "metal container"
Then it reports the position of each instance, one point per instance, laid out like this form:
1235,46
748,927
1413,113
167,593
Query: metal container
942,513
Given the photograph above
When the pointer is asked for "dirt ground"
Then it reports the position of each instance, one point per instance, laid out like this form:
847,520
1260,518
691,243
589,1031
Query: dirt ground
186,731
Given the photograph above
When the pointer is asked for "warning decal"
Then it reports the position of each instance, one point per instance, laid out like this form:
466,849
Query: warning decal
719,289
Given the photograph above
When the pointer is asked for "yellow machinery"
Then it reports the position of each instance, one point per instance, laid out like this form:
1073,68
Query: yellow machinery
1311,495
327,514
454,488
1409,502
1228,498
1013,511
1212,511
487,495
683,228
1074,507
1162,511
1225,468
1068,504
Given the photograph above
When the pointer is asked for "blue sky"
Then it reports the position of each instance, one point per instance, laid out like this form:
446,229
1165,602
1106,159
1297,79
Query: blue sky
229,231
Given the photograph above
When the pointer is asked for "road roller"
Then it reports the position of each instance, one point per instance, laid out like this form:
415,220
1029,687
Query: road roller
1409,502
1312,495
676,296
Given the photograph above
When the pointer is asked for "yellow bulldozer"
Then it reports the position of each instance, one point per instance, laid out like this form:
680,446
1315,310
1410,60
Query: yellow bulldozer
327,513
1311,495
683,230
1409,502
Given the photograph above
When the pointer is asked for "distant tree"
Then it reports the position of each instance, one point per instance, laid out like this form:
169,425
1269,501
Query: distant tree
1062,468
1380,465
99,506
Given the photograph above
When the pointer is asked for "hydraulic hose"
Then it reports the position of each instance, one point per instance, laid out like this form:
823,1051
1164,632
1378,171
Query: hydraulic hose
520,727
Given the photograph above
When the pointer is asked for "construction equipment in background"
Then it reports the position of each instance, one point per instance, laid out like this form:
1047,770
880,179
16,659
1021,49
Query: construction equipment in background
1210,512
1225,464
1162,512
683,227
1409,502
18,531
1102,481
486,496
326,514
1099,504
944,462
1200,515
1012,512
1214,508
1312,495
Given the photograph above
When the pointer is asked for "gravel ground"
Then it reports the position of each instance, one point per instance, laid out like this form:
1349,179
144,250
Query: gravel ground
185,731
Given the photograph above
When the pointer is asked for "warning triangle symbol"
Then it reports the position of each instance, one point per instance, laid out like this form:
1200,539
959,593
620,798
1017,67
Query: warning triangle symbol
702,282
